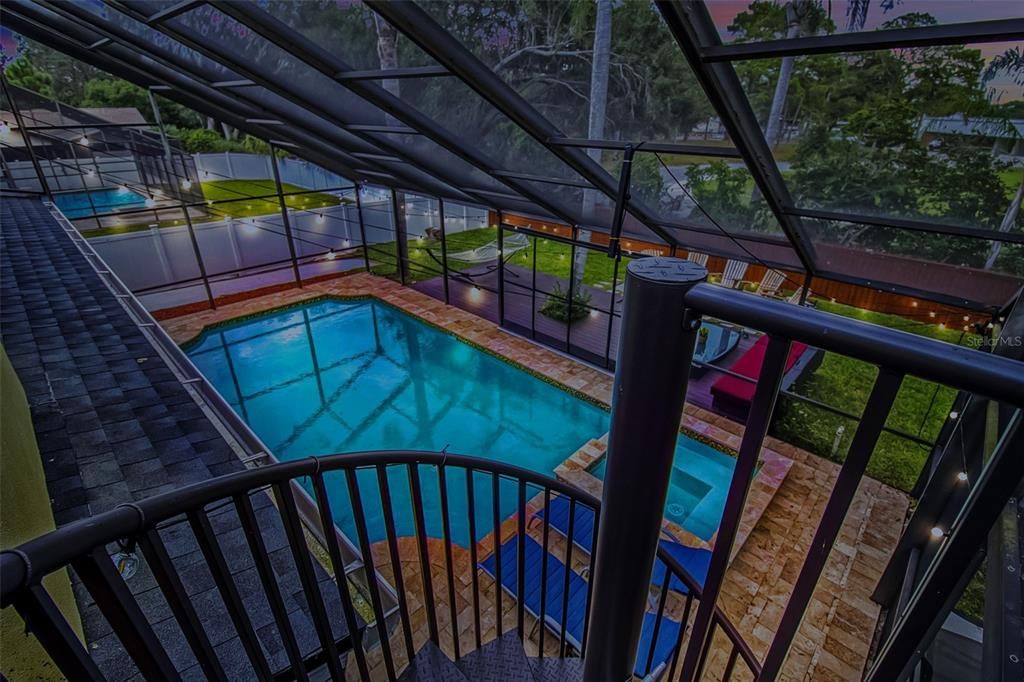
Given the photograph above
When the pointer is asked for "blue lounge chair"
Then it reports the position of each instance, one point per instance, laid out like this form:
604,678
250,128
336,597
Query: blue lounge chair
694,560
668,633
554,599
668,636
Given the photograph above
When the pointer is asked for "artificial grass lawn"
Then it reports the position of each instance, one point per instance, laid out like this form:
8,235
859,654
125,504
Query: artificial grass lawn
238,193
553,258
921,406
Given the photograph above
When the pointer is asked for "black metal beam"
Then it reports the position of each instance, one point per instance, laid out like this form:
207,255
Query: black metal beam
994,31
328,64
175,68
654,147
949,570
909,224
694,31
419,27
389,74
57,25
447,186
961,367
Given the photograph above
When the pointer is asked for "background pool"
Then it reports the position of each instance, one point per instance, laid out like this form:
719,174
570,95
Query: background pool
346,376
77,204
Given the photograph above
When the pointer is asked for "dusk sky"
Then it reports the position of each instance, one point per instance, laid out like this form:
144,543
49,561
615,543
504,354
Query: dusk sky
945,11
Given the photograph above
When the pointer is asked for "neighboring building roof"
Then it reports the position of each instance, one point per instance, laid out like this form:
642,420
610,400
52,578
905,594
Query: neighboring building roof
976,127
123,115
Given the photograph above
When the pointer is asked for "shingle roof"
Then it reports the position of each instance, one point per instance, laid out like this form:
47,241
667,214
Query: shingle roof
114,424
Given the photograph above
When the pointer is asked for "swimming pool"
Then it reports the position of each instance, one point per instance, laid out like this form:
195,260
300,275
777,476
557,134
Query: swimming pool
345,376
77,204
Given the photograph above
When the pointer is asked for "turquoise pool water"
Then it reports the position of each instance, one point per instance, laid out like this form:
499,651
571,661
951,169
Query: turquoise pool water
345,376
77,204
698,487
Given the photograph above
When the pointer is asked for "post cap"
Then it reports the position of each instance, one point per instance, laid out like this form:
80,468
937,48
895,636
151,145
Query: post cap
667,270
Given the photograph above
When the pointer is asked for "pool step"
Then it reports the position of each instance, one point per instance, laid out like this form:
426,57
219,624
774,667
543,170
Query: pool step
500,660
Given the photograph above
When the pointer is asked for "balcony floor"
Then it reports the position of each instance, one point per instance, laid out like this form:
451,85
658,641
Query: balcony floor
834,637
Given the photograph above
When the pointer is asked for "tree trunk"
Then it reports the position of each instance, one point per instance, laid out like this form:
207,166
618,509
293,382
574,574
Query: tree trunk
598,107
775,121
387,53
1009,218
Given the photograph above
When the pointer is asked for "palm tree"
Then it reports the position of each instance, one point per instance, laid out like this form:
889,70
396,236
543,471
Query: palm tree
1011,63
803,17
387,52
601,56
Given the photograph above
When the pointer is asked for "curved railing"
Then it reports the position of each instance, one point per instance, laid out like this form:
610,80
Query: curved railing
446,504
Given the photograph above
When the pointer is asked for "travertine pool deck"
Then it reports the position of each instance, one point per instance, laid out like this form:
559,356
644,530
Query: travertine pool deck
835,635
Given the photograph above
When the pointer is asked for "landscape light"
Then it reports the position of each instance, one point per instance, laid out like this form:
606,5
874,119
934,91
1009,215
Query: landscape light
931,313
475,295
954,414
913,304
593,313
937,532
962,476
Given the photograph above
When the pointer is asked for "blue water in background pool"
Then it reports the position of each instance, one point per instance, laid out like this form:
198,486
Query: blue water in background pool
347,376
76,204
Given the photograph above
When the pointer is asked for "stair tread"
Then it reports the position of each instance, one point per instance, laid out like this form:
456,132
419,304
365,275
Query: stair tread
500,659
430,664
557,669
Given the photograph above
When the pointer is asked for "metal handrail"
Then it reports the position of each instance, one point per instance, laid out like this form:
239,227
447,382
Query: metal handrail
963,368
83,546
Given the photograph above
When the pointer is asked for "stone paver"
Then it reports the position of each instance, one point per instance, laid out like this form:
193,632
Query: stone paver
833,640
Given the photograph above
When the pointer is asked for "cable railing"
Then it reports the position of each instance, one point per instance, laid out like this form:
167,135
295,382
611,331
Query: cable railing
416,518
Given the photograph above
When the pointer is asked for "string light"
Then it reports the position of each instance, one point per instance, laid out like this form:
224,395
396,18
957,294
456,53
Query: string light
937,532
84,141
319,217
186,184
150,202
331,255
962,477
5,129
